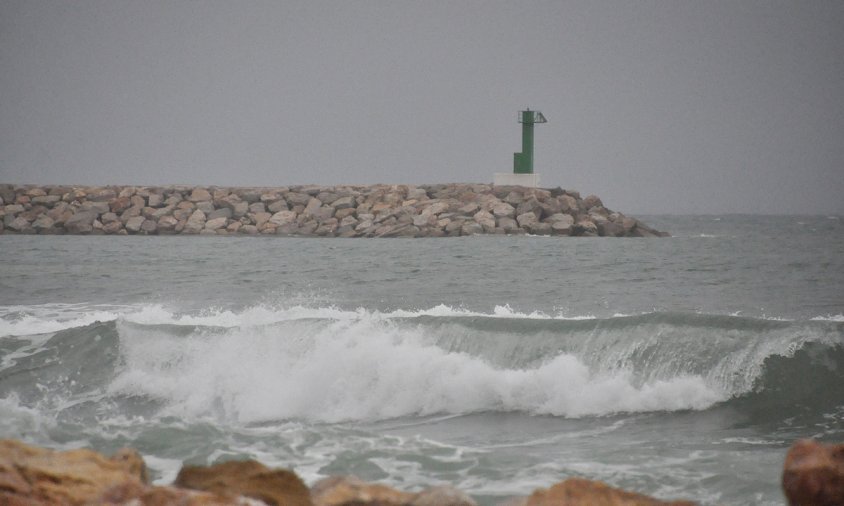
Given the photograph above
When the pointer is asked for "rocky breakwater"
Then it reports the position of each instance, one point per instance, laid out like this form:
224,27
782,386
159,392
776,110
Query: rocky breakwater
320,211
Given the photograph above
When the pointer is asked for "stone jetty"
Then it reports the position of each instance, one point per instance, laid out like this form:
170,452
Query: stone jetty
436,210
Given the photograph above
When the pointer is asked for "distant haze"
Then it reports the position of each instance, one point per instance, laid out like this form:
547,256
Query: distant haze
656,106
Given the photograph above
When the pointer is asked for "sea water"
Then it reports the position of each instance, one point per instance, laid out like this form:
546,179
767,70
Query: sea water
681,367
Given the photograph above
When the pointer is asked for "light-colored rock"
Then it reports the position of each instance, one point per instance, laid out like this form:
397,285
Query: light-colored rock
327,197
322,213
155,200
343,203
485,219
503,210
46,200
167,224
206,207
442,496
126,192
220,213
470,208
20,224
471,227
260,218
81,222
592,201
130,213
530,205
514,198
35,192
13,209
43,223
199,195
215,223
348,221
424,220
195,223
567,203
133,225
149,227
527,219
113,227
283,218
582,492
295,198
36,476
109,217
239,209
508,224
562,225
138,201
278,205
585,227
270,197
101,195
257,207
349,490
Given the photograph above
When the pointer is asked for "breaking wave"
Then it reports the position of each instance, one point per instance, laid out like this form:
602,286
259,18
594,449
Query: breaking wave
328,365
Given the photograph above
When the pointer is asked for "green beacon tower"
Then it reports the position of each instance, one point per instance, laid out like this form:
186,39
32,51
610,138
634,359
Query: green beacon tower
523,162
523,174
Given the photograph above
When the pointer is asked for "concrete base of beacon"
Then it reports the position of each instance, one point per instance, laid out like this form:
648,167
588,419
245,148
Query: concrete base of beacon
511,179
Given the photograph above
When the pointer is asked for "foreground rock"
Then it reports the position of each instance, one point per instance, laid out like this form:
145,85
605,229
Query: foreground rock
580,492
351,491
36,476
311,211
248,479
813,474
40,477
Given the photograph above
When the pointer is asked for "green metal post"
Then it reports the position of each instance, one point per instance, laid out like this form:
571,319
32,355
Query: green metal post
527,144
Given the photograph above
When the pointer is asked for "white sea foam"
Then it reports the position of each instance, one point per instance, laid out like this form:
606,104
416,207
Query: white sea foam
368,369
830,318
30,320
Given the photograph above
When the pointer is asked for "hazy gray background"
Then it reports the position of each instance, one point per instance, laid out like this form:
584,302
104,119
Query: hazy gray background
658,107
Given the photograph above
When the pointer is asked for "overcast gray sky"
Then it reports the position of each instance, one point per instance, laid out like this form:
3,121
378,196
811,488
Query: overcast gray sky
673,106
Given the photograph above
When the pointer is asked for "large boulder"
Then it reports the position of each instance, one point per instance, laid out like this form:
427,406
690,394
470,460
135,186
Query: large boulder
216,223
133,225
813,474
224,212
592,201
199,195
38,476
43,223
195,223
283,218
102,195
349,490
582,492
485,219
81,222
503,210
249,479
527,219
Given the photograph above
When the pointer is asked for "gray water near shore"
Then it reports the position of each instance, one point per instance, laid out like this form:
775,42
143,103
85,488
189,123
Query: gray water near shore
681,367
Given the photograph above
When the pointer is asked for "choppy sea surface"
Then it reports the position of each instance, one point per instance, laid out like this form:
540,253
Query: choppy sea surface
681,367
